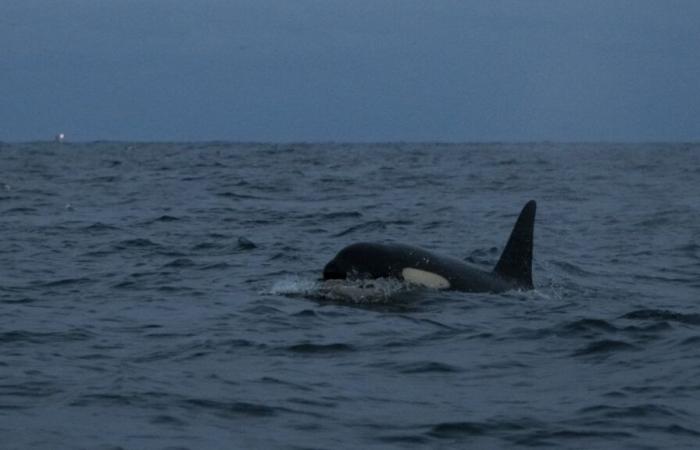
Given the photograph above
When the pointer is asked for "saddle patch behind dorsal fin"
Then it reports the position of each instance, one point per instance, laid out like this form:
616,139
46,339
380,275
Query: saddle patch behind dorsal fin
516,259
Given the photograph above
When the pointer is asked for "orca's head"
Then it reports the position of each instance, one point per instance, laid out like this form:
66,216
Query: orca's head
362,260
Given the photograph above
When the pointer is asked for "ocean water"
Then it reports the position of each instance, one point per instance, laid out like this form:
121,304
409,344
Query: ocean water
166,296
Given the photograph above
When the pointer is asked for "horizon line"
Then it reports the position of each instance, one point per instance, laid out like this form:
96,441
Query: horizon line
353,142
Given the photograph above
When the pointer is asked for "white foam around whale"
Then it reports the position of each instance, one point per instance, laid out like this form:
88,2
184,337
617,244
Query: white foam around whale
351,291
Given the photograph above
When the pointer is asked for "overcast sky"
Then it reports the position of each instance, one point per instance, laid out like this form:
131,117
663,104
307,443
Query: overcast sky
350,70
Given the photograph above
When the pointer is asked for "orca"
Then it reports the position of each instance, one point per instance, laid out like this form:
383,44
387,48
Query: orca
366,260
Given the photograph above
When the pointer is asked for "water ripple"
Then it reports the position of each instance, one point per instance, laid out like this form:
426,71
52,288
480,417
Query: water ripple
37,337
604,347
310,348
663,315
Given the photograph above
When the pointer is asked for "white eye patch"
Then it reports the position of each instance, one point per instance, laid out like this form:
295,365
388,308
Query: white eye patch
423,278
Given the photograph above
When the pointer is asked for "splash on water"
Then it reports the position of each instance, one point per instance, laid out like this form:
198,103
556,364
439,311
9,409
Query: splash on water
381,290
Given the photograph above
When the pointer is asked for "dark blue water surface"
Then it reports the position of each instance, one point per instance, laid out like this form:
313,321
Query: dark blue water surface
165,296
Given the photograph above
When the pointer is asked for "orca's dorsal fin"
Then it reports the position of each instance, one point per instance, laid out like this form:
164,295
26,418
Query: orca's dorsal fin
516,259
